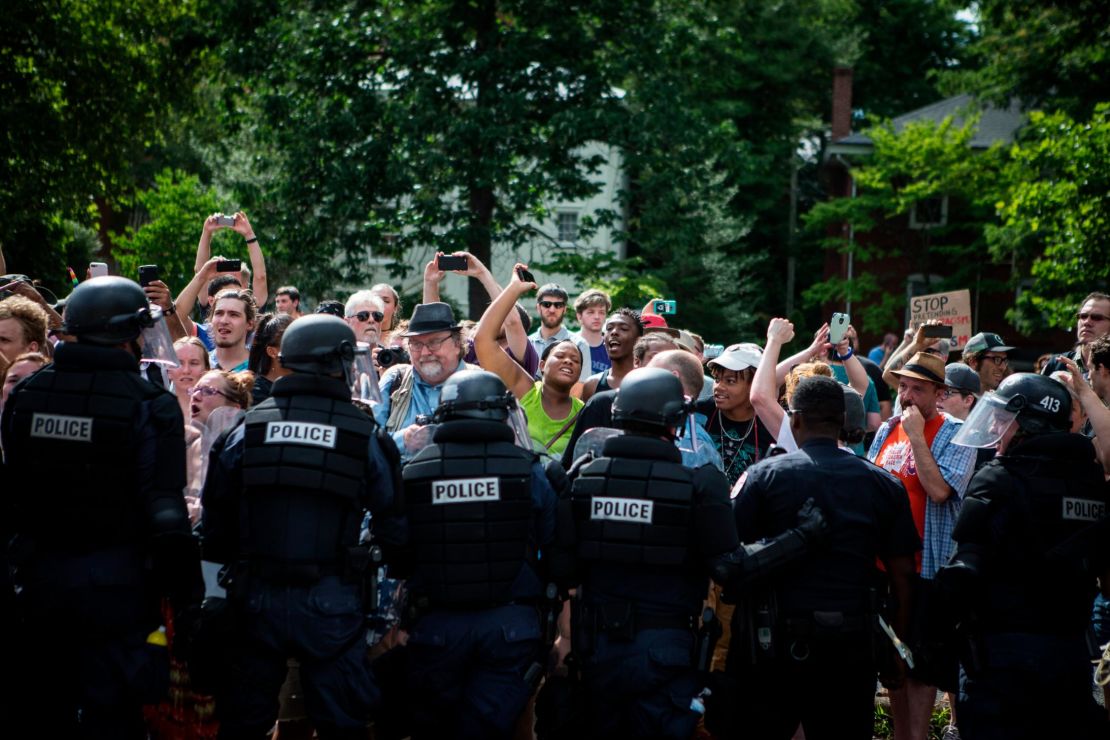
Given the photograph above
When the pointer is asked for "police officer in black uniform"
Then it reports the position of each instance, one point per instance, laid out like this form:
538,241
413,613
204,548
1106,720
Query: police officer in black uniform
480,509
284,500
95,469
646,534
1032,538
802,648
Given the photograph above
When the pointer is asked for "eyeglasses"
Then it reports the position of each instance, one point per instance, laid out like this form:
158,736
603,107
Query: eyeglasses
553,304
207,391
794,412
948,393
998,360
365,315
432,345
1096,317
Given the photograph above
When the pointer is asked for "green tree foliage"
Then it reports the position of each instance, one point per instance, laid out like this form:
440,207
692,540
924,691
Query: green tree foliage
86,87
175,208
1050,55
1055,218
923,161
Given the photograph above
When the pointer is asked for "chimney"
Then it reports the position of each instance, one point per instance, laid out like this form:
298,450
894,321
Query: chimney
841,103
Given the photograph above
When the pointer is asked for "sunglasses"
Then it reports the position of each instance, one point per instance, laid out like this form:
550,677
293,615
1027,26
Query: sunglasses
553,304
1092,316
365,316
207,391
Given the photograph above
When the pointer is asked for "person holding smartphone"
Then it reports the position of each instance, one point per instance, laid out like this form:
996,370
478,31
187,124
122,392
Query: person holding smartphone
548,402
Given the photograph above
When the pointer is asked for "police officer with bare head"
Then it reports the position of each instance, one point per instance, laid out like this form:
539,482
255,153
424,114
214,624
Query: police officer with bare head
105,534
284,501
646,534
803,646
481,511
1032,539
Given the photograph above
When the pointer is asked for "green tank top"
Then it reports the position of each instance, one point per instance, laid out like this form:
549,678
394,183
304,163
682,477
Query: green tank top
541,427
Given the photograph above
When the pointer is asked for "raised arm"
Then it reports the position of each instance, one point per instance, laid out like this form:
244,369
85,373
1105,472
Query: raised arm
819,344
765,383
900,358
1098,414
204,248
433,276
260,286
514,329
857,376
188,295
490,355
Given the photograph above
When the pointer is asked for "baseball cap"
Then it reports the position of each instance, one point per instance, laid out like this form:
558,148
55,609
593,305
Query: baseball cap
739,356
654,322
960,377
985,340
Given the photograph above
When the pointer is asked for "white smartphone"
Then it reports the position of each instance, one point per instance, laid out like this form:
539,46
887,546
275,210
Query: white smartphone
98,269
838,324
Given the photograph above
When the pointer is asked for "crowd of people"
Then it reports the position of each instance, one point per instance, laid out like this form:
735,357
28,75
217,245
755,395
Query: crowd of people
366,520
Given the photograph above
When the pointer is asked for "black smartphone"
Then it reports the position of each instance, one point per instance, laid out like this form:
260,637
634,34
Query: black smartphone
148,274
229,266
525,276
938,331
448,262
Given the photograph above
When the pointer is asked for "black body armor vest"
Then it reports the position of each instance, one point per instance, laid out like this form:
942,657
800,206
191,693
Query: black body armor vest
76,423
634,511
304,466
469,501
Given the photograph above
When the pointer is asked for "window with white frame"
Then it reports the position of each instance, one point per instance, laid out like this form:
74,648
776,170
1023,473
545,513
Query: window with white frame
567,225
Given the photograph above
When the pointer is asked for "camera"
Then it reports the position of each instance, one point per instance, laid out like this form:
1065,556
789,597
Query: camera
838,325
229,266
98,269
390,356
937,331
664,307
148,274
448,262
223,220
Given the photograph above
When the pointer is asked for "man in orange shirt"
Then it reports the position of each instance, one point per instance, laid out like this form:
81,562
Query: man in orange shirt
916,447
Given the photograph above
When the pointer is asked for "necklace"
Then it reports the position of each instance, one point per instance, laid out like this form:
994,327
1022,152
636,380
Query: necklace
736,456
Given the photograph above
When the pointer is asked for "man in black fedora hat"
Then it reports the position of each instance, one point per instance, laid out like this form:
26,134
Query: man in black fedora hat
435,344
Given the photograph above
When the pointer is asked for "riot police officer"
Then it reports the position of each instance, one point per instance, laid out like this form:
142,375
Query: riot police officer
95,468
284,501
645,531
480,509
1031,539
803,645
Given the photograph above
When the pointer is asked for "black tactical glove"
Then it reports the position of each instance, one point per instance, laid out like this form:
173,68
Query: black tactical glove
812,524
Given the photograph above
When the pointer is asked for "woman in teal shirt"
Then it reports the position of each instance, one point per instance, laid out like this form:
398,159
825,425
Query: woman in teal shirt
550,407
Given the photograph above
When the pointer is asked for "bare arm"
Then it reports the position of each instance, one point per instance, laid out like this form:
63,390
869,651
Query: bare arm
857,376
1098,414
188,295
819,344
204,248
765,385
900,358
260,286
433,276
490,355
514,329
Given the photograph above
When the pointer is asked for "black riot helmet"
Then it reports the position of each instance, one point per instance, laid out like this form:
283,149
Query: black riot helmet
474,394
1038,404
651,399
108,310
319,344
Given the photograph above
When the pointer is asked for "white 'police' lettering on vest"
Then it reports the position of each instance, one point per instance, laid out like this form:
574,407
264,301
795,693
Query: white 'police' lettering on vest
466,490
1083,510
631,510
300,433
58,426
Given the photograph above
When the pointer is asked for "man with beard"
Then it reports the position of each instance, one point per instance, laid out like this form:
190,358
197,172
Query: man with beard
917,447
551,303
232,322
434,342
986,354
621,331
365,312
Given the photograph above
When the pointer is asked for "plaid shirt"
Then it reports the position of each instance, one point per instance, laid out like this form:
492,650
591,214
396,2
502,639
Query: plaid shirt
957,464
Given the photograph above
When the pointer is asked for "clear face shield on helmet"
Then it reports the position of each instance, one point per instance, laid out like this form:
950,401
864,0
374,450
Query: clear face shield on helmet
987,424
593,440
518,422
363,376
157,345
686,433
